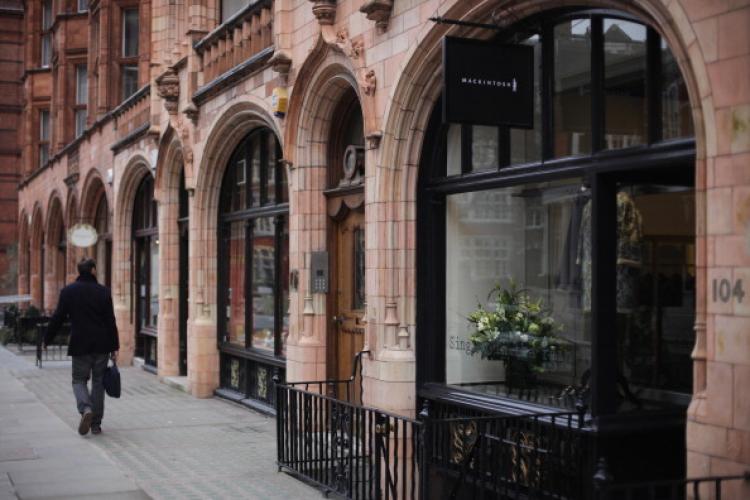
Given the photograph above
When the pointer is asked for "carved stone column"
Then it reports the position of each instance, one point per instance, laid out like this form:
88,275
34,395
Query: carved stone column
324,11
378,11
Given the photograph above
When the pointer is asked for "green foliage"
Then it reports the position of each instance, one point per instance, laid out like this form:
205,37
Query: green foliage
6,335
518,328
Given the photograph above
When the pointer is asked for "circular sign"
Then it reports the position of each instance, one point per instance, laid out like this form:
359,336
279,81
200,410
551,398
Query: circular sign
82,235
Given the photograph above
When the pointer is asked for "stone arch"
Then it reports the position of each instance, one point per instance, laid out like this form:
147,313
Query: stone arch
226,132
323,80
24,259
413,97
73,255
93,189
169,167
54,251
136,169
36,267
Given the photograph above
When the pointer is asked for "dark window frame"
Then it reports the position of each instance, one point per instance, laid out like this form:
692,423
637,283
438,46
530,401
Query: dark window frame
124,61
253,210
602,168
145,230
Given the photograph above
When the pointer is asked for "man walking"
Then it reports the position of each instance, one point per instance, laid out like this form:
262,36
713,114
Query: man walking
93,338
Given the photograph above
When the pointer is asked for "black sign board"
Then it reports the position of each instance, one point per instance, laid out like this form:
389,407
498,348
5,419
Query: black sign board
486,83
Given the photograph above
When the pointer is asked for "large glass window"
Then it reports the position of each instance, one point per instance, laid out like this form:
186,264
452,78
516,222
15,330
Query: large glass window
572,87
550,278
528,238
254,245
146,271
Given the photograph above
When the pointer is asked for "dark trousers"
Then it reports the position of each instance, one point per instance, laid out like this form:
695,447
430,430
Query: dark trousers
93,366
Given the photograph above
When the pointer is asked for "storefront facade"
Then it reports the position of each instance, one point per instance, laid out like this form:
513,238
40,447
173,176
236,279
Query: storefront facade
248,240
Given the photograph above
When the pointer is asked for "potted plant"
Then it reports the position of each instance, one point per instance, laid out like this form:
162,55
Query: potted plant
517,330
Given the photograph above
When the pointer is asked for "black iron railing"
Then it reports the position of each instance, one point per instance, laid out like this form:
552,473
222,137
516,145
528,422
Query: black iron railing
540,455
57,348
349,390
356,452
729,487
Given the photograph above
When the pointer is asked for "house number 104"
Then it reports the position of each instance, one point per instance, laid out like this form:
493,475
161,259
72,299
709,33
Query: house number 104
724,290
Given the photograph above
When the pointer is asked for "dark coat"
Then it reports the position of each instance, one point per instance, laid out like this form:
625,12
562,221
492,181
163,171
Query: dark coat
88,305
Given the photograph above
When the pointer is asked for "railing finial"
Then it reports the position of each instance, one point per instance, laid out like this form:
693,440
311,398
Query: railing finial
602,476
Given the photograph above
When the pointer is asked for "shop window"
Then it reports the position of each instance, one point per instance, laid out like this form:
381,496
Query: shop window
528,237
47,21
44,136
572,87
626,108
254,268
530,279
676,115
231,7
82,97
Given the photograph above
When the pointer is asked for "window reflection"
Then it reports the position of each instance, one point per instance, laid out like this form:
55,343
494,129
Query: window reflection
677,120
235,323
263,283
526,145
531,235
655,291
572,88
624,84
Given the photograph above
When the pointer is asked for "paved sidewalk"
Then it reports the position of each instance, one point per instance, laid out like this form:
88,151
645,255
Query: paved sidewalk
161,441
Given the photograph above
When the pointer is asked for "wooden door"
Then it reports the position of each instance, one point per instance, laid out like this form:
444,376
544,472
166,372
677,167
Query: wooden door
349,294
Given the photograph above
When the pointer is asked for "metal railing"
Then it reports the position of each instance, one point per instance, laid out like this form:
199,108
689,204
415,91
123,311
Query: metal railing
729,487
354,451
325,435
57,348
540,455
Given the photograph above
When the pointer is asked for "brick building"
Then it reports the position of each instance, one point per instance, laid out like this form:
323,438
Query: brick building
11,67
243,240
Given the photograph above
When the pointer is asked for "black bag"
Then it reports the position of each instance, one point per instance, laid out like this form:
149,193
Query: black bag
112,381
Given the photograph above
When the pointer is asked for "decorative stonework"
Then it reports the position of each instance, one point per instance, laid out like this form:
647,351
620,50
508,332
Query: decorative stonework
191,111
281,63
168,88
368,82
373,139
378,11
324,11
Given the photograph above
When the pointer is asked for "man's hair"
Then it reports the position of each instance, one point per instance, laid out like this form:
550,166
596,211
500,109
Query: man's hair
86,265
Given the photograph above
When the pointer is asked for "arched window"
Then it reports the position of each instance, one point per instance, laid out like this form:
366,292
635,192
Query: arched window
146,270
253,266
589,215
103,248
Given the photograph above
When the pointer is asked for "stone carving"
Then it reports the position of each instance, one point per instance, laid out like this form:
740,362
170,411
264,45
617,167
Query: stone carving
191,111
378,11
168,88
368,82
281,63
324,11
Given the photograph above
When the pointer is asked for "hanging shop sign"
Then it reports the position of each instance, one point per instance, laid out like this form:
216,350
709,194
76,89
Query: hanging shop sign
488,84
83,235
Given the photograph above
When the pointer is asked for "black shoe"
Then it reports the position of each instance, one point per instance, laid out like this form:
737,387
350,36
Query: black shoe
96,429
85,425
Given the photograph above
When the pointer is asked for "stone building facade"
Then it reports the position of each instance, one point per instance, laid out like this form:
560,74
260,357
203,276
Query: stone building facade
11,66
162,124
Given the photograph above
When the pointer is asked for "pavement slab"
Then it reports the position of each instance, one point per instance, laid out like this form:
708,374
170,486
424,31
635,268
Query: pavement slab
158,442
